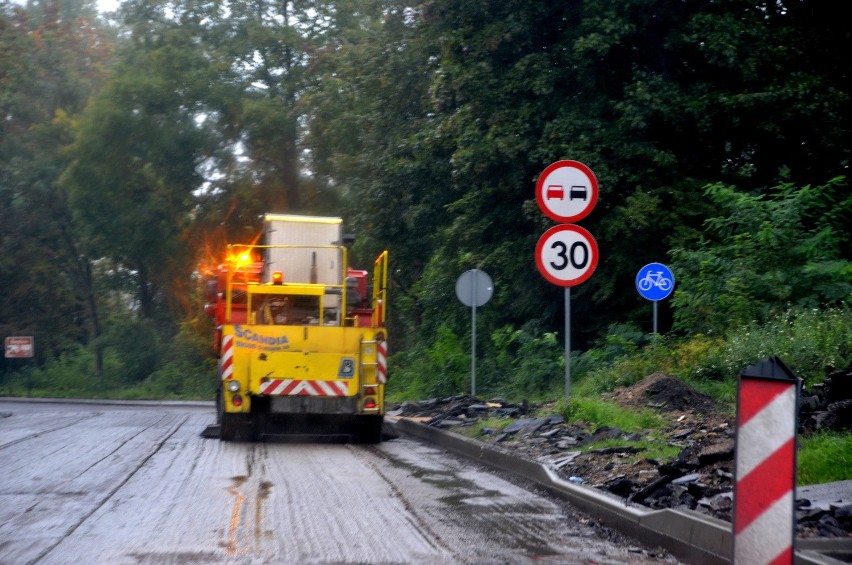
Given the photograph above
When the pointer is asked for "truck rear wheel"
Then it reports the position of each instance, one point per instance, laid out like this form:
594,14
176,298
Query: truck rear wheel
231,426
370,429
235,427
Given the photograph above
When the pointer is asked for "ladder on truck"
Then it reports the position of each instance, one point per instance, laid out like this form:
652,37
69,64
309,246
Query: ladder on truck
369,369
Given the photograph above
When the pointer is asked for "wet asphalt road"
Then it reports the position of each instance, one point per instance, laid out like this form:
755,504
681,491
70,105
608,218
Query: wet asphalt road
106,483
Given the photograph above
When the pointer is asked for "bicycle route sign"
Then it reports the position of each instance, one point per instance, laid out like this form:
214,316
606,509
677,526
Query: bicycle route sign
566,255
655,281
566,191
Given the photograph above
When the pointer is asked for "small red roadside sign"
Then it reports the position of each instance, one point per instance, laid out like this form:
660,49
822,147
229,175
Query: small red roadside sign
19,346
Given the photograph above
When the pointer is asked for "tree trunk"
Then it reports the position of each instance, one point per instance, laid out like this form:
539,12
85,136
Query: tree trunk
146,298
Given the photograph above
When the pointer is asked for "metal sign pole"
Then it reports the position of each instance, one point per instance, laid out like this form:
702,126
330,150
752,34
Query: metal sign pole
567,342
655,317
473,354
473,299
469,294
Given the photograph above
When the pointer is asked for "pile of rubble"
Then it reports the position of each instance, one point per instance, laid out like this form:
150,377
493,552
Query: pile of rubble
827,405
700,478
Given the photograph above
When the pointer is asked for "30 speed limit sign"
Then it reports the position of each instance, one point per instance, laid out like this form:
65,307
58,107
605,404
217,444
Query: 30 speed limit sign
566,255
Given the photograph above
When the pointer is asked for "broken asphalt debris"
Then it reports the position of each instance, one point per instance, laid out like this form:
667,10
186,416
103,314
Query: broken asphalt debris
700,478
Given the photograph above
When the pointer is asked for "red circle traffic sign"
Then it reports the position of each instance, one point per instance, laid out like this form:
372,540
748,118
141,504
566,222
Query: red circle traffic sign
566,191
566,255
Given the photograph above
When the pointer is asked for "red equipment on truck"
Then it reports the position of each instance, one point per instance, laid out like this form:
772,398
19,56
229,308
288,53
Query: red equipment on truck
301,344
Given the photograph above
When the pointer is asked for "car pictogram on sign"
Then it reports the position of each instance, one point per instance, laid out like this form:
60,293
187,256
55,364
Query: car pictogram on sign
555,191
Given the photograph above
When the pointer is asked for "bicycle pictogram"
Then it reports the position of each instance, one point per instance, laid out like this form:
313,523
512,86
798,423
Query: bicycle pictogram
655,279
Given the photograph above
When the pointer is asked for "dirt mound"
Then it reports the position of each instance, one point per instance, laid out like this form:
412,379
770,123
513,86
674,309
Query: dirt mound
662,392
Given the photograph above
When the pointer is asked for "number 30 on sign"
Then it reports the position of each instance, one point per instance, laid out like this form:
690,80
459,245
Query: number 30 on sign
566,255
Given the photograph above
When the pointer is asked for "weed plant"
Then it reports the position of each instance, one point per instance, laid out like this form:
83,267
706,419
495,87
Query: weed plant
599,413
650,447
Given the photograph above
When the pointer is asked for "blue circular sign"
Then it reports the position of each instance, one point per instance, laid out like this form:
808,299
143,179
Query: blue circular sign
655,281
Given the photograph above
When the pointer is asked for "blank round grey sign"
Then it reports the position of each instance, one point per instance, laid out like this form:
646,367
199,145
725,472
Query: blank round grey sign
474,288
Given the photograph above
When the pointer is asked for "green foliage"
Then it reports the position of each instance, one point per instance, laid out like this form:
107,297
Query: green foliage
137,345
184,368
824,458
812,342
53,56
601,375
177,380
69,375
140,131
658,449
621,342
440,369
138,364
599,413
477,429
763,254
530,364
531,361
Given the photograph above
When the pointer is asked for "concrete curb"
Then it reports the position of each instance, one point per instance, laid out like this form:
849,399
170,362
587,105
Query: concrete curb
689,536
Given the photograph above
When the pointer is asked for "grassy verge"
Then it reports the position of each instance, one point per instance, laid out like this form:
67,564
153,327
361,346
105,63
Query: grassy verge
824,458
651,447
598,413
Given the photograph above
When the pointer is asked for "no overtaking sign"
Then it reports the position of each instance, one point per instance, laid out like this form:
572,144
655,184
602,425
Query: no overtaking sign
566,191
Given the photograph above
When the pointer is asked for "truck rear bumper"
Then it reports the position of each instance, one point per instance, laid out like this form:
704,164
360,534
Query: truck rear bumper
313,405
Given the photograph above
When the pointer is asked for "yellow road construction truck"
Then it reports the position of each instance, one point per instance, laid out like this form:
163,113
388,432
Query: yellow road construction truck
299,335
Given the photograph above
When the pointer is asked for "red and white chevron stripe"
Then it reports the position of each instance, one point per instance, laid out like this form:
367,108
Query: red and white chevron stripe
382,362
293,387
227,356
764,499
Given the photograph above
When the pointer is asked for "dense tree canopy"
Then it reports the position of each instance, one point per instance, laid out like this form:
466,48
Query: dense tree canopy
133,149
53,58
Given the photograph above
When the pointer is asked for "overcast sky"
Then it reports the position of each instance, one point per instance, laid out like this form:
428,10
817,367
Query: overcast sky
103,5
107,5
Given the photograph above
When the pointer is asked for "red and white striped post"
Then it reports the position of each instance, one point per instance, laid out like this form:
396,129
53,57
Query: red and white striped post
765,489
382,361
227,356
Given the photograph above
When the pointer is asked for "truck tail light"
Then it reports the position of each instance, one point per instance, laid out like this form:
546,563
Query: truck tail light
370,390
233,386
237,400
370,403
